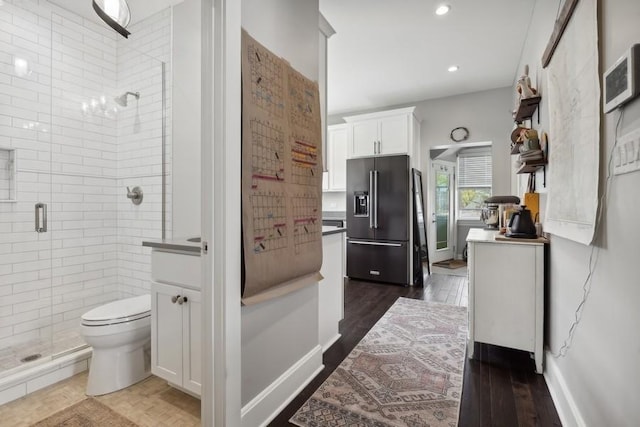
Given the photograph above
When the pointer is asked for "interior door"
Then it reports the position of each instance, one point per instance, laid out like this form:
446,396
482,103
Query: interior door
442,207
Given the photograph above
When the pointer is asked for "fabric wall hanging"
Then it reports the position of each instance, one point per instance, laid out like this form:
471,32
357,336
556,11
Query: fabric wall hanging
281,175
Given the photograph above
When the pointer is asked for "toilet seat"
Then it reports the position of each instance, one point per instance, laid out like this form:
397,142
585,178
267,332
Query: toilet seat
121,311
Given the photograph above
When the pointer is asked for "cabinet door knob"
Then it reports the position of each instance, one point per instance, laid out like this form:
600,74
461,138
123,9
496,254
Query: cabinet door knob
175,298
182,300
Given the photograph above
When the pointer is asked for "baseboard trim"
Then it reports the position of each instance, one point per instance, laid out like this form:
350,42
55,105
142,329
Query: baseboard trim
329,343
561,395
263,408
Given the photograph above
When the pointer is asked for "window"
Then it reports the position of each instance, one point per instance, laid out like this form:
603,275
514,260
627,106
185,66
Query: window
474,182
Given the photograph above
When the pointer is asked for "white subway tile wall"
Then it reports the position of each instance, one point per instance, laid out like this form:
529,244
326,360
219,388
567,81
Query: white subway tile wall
139,160
77,150
7,179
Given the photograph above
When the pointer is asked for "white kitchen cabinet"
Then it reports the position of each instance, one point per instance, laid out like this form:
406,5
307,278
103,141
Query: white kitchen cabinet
176,325
337,146
383,133
506,292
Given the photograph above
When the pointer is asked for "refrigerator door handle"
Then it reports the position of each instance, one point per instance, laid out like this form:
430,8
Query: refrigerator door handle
361,242
375,199
371,200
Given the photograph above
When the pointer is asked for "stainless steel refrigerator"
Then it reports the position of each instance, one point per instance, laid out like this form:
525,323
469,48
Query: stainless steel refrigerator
378,218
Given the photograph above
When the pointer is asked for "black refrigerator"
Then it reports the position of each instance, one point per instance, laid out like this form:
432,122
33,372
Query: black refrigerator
378,215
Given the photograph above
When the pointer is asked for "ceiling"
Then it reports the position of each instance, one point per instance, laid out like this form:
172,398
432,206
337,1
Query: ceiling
390,52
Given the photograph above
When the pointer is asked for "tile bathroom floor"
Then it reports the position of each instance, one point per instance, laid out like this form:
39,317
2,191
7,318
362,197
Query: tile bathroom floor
151,402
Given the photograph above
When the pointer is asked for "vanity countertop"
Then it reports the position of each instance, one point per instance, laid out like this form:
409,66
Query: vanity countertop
183,244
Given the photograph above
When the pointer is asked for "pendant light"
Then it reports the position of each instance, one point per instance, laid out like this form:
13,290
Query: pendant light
116,13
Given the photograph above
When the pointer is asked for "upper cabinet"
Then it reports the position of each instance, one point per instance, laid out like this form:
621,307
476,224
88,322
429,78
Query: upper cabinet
382,133
337,147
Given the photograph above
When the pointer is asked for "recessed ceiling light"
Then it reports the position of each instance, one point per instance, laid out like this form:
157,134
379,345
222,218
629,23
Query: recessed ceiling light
453,68
443,9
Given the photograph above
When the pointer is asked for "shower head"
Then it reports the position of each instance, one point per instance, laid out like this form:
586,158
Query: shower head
122,99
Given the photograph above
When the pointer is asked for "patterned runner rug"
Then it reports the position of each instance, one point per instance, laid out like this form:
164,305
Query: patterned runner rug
407,371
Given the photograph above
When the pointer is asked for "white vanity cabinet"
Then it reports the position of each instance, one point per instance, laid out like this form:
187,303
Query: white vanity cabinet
176,319
506,292
383,133
337,146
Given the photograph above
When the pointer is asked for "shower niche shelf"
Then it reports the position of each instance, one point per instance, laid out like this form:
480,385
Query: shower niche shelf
7,175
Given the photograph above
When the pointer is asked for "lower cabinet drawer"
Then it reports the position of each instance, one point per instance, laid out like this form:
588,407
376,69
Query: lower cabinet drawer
378,261
176,268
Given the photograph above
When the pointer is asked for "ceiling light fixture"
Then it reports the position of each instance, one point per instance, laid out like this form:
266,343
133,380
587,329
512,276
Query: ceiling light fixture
453,68
116,13
443,9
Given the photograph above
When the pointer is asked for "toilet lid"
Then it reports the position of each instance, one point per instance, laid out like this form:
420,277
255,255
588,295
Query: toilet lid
124,310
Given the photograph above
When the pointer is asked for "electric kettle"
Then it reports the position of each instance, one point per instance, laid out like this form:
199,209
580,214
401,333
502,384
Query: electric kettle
521,224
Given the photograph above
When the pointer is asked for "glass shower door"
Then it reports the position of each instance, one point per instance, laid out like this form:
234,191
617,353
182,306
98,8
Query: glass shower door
25,190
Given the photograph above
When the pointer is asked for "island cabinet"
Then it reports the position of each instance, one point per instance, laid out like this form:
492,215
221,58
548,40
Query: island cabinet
176,319
506,292
383,133
331,288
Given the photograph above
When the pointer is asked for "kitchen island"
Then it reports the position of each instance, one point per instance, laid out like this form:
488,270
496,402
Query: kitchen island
506,292
331,288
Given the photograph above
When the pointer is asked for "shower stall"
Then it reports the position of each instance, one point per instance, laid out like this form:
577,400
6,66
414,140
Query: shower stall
84,114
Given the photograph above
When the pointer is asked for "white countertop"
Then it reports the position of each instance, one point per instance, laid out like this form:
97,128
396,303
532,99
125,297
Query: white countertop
493,236
329,229
183,244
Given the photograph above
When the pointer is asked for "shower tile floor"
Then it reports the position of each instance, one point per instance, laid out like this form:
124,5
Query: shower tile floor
63,342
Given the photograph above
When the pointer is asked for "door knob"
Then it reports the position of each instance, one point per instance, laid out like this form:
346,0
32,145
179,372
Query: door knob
182,300
175,298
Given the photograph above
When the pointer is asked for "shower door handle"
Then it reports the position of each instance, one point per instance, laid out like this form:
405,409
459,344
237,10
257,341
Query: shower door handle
41,217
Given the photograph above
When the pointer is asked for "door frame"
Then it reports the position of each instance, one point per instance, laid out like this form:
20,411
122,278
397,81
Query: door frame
221,213
434,254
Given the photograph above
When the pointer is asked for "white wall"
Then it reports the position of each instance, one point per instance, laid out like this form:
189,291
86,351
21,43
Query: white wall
139,60
186,118
278,333
487,116
599,375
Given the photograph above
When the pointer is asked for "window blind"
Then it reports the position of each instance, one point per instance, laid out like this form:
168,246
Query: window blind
474,170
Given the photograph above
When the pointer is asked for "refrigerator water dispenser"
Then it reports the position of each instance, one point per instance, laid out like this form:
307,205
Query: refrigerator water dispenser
360,203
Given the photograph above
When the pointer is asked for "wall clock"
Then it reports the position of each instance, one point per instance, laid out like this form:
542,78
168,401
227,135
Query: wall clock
459,134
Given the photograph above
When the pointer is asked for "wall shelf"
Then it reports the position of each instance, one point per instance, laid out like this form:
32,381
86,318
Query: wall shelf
526,108
532,166
7,174
515,148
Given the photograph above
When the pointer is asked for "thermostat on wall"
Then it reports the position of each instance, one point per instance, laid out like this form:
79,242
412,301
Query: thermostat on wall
621,82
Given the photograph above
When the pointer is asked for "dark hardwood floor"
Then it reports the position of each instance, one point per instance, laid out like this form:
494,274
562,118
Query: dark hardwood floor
500,386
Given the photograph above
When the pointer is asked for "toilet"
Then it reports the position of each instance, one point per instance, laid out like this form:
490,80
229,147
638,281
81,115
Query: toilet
120,334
